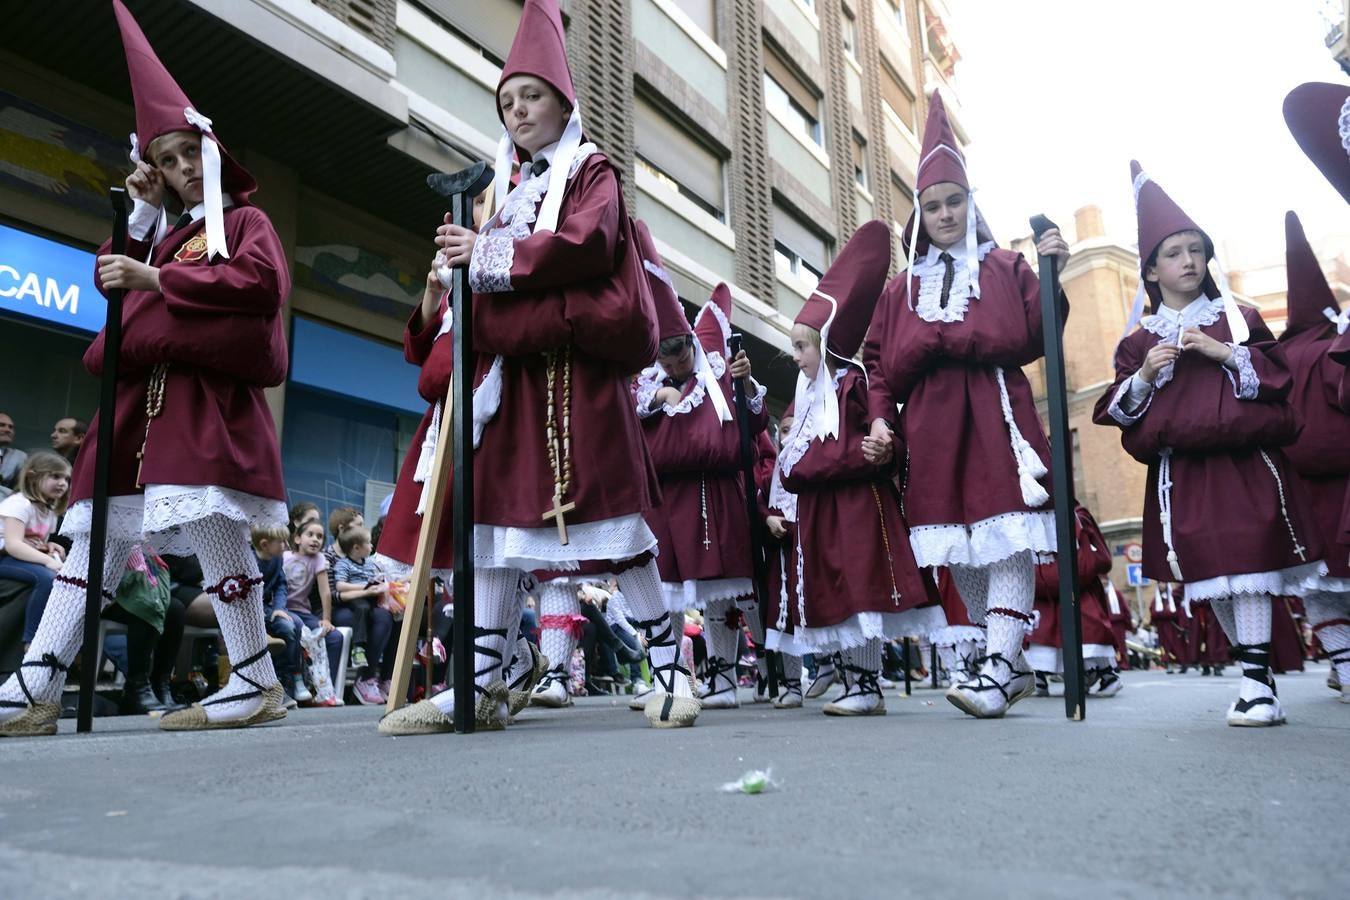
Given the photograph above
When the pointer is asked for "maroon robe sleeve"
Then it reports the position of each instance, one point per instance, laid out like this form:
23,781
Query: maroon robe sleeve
881,400
255,280
1129,357
585,245
839,459
137,250
418,336
1267,361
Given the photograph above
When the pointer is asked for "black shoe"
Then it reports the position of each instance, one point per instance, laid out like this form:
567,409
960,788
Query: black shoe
163,688
138,699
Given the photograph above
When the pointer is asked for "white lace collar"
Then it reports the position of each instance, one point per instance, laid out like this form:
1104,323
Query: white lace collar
931,271
806,426
1168,323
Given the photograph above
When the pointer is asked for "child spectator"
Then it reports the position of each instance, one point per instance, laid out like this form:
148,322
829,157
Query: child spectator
339,520
303,567
360,580
28,517
269,545
300,513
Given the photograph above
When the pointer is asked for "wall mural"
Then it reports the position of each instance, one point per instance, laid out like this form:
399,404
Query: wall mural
45,154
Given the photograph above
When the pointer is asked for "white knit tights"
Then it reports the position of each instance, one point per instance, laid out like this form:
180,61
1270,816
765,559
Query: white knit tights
496,611
557,605
641,586
1329,615
1001,594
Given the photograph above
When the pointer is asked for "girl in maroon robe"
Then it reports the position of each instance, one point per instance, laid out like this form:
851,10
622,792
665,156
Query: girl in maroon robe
781,615
562,317
948,342
202,338
1201,397
1165,617
1099,652
856,577
687,409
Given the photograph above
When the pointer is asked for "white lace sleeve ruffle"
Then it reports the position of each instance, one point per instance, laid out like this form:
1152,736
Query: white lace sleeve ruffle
755,400
716,361
1241,372
1129,392
649,381
490,265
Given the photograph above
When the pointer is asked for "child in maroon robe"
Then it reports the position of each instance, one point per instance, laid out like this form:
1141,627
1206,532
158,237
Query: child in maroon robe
781,616
685,402
1045,652
856,578
202,337
562,317
948,342
1201,397
1164,617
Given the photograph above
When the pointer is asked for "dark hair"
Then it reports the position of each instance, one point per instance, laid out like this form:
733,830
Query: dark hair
673,346
79,426
300,510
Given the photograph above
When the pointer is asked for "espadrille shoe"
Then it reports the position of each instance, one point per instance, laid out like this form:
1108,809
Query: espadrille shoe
422,717
521,692
669,711
37,720
194,717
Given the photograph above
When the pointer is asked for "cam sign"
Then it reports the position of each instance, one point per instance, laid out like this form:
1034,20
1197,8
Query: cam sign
41,279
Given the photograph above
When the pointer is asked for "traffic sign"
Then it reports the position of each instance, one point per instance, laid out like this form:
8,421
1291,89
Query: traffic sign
1134,552
1134,575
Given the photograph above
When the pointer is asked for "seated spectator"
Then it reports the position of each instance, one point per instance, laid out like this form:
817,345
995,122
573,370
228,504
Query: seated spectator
28,517
154,621
11,460
339,520
300,513
67,436
359,580
305,567
269,545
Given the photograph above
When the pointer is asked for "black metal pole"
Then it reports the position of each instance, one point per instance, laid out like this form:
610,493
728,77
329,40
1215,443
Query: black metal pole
907,663
461,213
759,563
933,664
1061,470
98,525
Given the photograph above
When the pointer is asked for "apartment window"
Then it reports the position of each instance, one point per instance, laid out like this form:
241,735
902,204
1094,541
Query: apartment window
897,96
678,159
860,162
703,13
798,251
902,196
850,29
787,96
898,10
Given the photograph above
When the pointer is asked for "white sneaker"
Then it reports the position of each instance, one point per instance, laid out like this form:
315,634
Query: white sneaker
863,698
1109,684
1257,705
300,692
824,680
721,693
885,683
999,685
551,691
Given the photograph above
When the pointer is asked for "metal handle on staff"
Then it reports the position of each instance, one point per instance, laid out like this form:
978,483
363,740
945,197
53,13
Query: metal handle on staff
759,564
98,525
1061,468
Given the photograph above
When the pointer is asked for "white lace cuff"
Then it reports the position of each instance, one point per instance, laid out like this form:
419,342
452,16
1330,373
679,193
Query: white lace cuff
490,265
755,399
1246,384
649,381
142,220
1134,394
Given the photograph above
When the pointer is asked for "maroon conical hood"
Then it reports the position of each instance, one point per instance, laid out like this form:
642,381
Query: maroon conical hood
855,280
712,325
941,159
670,318
1309,292
540,49
160,102
1313,112
1159,218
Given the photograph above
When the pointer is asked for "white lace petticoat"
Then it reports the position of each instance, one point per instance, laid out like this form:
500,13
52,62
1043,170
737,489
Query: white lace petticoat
1290,582
697,594
156,516
858,629
529,549
985,542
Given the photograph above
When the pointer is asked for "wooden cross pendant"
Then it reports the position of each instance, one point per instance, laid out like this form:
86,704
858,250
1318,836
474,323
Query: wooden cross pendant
140,463
556,513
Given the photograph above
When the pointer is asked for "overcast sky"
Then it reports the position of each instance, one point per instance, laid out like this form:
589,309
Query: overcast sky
1193,89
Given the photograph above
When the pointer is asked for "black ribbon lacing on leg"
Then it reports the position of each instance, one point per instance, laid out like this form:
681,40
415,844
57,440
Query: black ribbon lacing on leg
1257,655
664,638
238,670
480,632
718,667
864,680
47,661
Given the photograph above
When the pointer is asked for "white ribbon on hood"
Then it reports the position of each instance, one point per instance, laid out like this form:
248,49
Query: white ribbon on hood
211,166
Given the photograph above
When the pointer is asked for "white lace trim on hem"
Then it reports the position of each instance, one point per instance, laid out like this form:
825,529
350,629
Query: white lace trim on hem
950,635
697,594
783,642
505,547
158,514
858,629
1290,582
985,542
1327,584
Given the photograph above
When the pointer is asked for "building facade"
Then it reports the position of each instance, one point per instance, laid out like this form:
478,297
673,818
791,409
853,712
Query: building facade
753,137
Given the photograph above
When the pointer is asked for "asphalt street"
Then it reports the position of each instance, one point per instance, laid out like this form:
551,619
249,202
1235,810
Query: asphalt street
1150,796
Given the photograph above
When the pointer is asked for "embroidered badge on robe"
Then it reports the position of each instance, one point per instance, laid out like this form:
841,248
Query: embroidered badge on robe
193,250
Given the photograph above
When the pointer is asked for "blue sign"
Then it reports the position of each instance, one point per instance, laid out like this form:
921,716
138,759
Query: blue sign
41,279
340,362
1134,575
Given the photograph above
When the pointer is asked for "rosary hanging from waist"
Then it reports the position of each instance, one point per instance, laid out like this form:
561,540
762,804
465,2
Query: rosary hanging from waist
558,423
154,405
